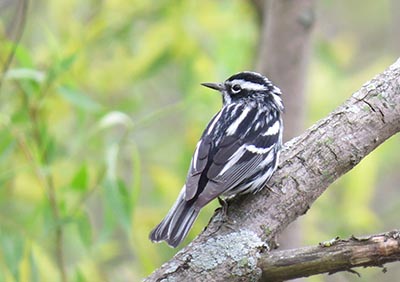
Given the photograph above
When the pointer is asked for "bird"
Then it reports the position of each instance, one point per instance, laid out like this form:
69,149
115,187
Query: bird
237,153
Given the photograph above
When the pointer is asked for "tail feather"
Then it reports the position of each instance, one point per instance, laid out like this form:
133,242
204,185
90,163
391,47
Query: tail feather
177,223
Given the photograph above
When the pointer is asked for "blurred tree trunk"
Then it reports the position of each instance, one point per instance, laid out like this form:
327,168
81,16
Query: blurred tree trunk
285,45
395,24
284,49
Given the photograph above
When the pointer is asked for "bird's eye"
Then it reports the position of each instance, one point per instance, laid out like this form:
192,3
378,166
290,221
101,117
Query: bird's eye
236,88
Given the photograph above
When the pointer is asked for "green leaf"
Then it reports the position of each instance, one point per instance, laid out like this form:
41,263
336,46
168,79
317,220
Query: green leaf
84,229
80,180
8,145
35,276
116,195
79,99
117,202
23,56
136,177
12,248
66,63
125,200
79,277
59,67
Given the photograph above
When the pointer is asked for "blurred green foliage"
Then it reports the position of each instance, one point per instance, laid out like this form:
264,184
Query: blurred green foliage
99,115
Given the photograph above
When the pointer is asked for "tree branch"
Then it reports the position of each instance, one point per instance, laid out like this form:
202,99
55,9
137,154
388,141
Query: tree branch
331,257
232,250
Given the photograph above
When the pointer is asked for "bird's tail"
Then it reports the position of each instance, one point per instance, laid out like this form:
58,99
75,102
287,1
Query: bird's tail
177,223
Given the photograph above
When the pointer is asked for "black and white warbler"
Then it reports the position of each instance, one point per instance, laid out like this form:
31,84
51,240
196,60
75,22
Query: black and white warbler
237,153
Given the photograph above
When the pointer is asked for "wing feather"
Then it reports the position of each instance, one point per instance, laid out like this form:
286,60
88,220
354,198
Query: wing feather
198,164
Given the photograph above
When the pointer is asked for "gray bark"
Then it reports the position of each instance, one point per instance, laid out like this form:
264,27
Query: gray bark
231,249
331,256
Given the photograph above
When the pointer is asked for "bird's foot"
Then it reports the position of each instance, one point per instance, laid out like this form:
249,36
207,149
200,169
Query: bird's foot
224,207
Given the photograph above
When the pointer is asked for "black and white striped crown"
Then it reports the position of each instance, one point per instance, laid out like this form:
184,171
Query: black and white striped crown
253,81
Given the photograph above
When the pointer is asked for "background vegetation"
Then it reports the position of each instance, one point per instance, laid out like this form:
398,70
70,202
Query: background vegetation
101,108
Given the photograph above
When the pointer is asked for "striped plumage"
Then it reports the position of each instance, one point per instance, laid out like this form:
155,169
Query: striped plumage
237,153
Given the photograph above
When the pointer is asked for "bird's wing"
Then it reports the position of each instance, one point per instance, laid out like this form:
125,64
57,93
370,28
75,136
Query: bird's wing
240,167
201,157
217,168
197,167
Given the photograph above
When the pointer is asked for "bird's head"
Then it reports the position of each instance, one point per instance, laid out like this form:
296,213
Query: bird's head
247,86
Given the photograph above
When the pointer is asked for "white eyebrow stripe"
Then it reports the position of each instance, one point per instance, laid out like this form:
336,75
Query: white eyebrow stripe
249,85
272,130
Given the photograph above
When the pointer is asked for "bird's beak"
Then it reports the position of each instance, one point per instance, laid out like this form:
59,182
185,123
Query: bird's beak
213,85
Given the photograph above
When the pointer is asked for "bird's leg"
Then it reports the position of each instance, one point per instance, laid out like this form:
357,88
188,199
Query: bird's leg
270,188
224,206
223,218
226,222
